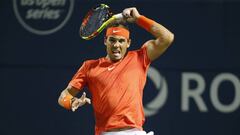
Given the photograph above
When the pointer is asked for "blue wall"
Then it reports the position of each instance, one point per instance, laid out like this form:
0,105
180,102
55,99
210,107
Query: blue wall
198,87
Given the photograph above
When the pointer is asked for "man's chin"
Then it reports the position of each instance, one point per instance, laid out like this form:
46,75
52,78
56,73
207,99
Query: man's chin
116,58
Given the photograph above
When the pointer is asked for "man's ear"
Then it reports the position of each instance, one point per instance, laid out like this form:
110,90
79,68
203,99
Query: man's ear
105,40
128,42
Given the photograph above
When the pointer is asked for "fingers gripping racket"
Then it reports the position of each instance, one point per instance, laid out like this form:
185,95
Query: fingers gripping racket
97,19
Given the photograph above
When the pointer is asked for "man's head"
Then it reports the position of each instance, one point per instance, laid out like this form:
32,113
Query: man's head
117,41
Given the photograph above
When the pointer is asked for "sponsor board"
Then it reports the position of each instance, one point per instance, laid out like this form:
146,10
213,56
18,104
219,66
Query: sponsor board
195,94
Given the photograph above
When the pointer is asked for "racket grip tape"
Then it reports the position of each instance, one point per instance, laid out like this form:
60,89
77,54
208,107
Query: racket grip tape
118,16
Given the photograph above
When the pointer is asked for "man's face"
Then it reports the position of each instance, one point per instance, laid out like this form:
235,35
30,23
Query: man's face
116,46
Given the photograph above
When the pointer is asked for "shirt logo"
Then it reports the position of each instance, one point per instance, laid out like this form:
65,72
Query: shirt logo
110,68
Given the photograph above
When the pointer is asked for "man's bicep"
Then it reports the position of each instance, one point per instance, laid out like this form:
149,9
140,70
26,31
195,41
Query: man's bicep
155,49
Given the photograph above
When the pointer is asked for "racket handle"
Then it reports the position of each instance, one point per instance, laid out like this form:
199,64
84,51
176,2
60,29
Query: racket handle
118,16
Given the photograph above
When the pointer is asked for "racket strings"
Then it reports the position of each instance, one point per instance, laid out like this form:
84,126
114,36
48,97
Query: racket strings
94,21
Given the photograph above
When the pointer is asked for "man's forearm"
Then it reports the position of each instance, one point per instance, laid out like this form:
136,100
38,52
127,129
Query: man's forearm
156,29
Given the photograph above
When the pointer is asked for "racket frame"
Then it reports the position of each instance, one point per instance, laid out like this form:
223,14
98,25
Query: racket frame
103,26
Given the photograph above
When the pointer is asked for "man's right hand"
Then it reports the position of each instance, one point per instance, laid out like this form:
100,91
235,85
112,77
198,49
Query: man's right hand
131,14
77,102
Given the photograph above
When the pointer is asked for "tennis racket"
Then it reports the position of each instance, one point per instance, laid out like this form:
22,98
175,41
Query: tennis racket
96,20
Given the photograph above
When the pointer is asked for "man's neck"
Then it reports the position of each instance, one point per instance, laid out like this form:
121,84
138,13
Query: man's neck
114,61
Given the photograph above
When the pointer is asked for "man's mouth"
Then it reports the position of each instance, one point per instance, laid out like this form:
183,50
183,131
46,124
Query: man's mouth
116,53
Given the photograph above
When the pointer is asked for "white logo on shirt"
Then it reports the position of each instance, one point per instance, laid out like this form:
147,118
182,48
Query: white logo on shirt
110,68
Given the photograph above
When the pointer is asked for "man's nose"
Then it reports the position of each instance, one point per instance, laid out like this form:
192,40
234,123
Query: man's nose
116,44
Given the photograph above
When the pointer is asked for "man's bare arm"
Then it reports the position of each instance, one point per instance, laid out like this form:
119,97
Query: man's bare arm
164,37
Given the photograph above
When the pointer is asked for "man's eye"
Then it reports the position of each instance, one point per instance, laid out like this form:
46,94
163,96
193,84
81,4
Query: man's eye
112,40
121,40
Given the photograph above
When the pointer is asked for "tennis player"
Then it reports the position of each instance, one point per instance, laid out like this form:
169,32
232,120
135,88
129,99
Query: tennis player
116,81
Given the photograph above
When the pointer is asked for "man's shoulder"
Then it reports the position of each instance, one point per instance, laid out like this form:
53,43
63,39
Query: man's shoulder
136,51
89,61
92,62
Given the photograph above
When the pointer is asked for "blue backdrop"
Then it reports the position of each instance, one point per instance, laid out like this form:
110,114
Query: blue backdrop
194,88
